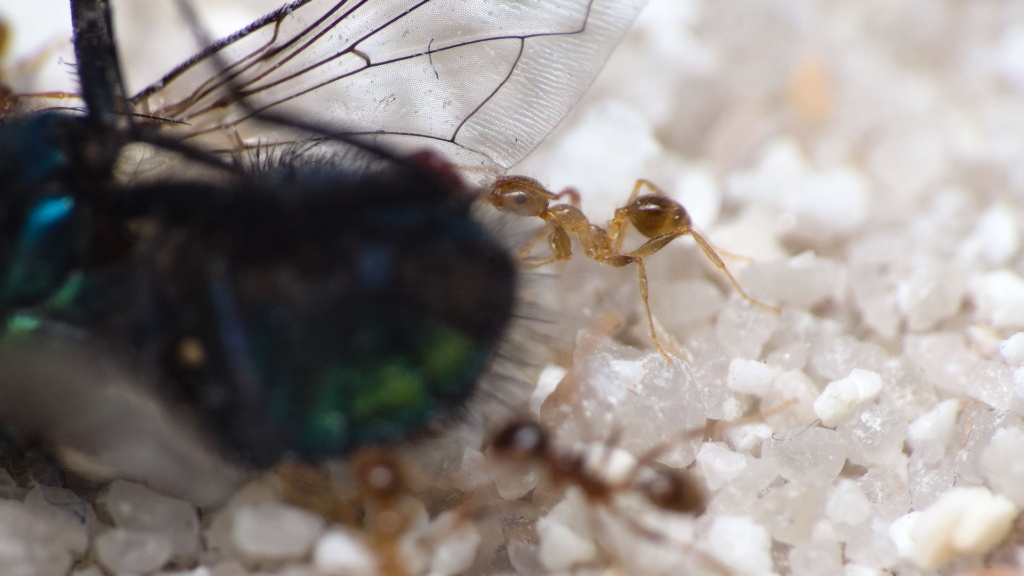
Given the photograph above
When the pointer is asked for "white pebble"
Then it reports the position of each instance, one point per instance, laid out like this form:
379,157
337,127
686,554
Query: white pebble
274,531
132,552
343,553
968,520
561,547
999,297
750,376
1001,463
812,454
719,465
745,437
741,544
29,545
135,507
548,380
848,503
932,292
66,511
901,532
802,281
841,397
936,425
1012,349
815,558
996,237
456,552
473,471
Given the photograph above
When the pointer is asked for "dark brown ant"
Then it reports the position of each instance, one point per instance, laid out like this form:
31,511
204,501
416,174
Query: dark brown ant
655,215
528,443
592,473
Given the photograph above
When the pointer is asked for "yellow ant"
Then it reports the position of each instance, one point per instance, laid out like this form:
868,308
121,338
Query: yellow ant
655,215
389,520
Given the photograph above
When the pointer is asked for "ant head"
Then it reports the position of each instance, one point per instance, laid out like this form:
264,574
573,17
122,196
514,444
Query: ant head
520,195
378,473
521,441
655,215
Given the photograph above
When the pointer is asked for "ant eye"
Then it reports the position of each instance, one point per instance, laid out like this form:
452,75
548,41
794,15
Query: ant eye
520,203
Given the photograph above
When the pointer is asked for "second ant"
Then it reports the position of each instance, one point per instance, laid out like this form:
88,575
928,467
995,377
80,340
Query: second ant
656,216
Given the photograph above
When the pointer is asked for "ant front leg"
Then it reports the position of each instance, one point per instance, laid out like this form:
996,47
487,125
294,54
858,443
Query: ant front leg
637,257
619,225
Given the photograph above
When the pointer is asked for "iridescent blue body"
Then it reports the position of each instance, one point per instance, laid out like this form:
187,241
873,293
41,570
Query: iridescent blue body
297,310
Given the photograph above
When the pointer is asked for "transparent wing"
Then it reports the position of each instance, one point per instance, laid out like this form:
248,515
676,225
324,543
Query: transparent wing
482,80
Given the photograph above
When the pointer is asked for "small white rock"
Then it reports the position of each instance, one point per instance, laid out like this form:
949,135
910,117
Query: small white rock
472,472
999,297
561,547
719,465
807,454
30,546
936,425
67,511
842,397
1012,349
750,376
548,380
848,503
741,544
342,552
135,507
275,531
456,552
901,531
969,520
132,552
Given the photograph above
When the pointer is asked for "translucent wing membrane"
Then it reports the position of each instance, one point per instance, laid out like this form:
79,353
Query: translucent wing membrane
483,81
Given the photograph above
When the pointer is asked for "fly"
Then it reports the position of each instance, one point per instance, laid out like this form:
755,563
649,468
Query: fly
319,283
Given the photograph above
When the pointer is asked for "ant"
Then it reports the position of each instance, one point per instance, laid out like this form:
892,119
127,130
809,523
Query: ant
655,215
528,442
394,526
601,482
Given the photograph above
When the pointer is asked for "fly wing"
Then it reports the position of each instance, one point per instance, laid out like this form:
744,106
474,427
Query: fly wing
483,81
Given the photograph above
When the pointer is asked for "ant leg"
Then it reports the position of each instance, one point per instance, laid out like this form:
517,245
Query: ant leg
528,246
558,241
637,257
642,281
717,261
618,226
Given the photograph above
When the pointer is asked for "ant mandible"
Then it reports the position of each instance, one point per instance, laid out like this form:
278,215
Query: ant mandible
655,215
